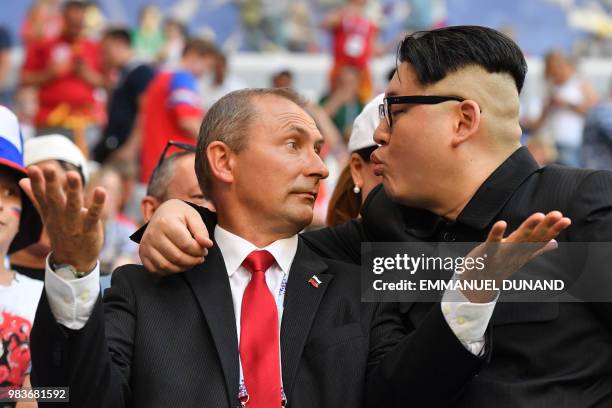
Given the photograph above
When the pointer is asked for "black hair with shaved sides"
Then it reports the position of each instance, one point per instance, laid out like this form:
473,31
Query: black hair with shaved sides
435,54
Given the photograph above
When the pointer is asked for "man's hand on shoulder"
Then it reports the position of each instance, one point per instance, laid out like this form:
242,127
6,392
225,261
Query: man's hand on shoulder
176,239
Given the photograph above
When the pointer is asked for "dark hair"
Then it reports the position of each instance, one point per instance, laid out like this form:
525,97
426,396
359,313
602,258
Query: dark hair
344,204
229,121
435,54
201,47
119,34
75,4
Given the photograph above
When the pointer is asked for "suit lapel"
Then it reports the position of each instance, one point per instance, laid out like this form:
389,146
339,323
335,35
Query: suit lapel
211,287
301,304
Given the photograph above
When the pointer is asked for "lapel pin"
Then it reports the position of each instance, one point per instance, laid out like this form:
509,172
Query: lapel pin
314,281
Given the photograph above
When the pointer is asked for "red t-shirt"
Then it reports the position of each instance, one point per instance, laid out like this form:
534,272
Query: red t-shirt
353,39
169,97
67,90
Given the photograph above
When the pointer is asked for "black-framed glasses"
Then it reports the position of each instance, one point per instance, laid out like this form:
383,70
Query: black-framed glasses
173,143
384,109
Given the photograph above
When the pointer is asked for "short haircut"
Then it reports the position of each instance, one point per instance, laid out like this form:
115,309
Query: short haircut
162,175
435,54
201,47
119,34
229,121
75,4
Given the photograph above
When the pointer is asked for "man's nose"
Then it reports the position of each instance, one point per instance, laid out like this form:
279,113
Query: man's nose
381,134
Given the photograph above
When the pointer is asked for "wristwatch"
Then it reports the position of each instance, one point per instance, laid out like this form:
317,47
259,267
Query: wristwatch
66,271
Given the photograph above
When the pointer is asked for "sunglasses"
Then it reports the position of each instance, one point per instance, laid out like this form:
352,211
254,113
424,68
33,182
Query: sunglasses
384,109
171,143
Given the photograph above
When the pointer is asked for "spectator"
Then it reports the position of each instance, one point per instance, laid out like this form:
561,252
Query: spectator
172,108
128,171
66,71
174,178
343,104
175,38
358,178
282,79
597,143
124,100
148,37
300,28
354,39
118,249
5,67
222,83
60,153
21,226
562,119
43,22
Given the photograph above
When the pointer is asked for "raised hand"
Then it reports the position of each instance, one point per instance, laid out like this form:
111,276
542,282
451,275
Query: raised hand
504,256
75,232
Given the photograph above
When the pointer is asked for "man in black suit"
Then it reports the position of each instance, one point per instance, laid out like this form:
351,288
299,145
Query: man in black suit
192,339
452,170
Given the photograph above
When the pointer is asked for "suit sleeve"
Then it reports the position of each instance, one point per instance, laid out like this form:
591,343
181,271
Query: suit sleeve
95,361
591,215
428,368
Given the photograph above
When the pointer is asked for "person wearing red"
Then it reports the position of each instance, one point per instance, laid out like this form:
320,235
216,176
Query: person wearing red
66,72
172,108
354,38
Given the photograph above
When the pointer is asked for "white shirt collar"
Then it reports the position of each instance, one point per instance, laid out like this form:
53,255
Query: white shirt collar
235,249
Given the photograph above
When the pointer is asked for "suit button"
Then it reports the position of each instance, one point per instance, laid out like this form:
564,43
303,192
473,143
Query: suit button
449,236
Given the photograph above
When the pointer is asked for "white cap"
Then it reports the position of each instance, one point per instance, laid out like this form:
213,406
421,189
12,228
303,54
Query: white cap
364,125
54,147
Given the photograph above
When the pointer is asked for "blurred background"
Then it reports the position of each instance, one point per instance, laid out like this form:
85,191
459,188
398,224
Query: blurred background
337,53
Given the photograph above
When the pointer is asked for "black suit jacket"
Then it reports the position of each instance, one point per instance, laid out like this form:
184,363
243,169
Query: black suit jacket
171,342
543,354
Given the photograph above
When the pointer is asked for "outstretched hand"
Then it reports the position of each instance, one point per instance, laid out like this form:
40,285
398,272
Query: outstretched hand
504,256
75,232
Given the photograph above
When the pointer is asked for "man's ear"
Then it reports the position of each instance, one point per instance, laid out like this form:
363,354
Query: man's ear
220,161
148,205
467,122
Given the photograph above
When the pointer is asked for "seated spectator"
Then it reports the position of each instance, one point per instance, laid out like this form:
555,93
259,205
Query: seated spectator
343,104
118,249
60,153
358,178
20,227
174,178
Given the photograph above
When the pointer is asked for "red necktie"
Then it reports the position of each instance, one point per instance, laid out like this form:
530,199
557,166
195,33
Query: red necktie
259,343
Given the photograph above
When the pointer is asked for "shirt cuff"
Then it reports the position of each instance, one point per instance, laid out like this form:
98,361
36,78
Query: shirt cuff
72,300
467,320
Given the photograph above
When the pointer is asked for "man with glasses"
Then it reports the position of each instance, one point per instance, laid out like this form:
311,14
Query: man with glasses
451,171
173,177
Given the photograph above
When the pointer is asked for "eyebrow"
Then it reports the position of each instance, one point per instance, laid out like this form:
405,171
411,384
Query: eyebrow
304,132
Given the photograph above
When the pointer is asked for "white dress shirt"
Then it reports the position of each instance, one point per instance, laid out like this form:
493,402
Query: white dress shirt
72,299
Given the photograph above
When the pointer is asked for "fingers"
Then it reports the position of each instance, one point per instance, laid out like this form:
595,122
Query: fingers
26,186
497,232
540,228
198,230
155,262
37,182
56,199
74,200
94,212
525,230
